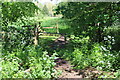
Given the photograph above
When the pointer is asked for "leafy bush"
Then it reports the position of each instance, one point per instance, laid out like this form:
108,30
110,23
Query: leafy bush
112,37
32,63
16,36
87,54
117,74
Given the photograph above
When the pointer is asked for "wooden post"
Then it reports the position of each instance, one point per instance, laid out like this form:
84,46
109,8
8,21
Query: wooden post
65,38
40,25
40,28
57,29
36,35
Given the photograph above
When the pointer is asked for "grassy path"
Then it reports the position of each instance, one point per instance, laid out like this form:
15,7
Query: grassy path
57,42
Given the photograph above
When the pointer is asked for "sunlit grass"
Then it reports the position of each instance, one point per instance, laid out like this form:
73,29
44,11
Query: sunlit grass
53,22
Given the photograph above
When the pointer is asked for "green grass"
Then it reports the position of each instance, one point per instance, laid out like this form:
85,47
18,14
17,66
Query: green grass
51,22
64,28
50,37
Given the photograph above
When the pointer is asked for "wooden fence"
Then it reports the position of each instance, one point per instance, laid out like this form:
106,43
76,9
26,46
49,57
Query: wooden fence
37,30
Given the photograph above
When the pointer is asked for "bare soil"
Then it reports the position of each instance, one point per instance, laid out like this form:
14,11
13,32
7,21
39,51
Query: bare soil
69,72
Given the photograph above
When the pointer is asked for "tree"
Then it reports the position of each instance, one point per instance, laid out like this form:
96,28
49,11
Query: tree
11,11
91,17
45,10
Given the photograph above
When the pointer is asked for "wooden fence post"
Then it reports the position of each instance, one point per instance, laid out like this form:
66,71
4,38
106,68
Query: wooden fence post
36,38
57,28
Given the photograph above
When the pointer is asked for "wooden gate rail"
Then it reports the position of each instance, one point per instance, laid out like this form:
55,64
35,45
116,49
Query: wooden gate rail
37,29
57,29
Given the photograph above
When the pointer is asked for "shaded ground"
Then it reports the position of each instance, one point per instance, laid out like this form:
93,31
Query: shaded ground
69,72
67,68
59,43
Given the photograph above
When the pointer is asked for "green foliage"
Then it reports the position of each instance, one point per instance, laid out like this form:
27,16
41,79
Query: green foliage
20,59
89,17
88,24
117,74
112,38
16,38
32,63
95,38
86,53
11,11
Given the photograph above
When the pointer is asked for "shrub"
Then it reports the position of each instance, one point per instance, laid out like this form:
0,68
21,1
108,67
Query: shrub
87,53
32,63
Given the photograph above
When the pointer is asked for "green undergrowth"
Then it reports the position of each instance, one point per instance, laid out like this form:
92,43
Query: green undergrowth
83,53
30,63
20,59
38,62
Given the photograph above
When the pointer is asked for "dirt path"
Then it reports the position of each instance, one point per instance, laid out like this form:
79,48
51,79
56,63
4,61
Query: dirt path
59,43
63,65
69,72
67,68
